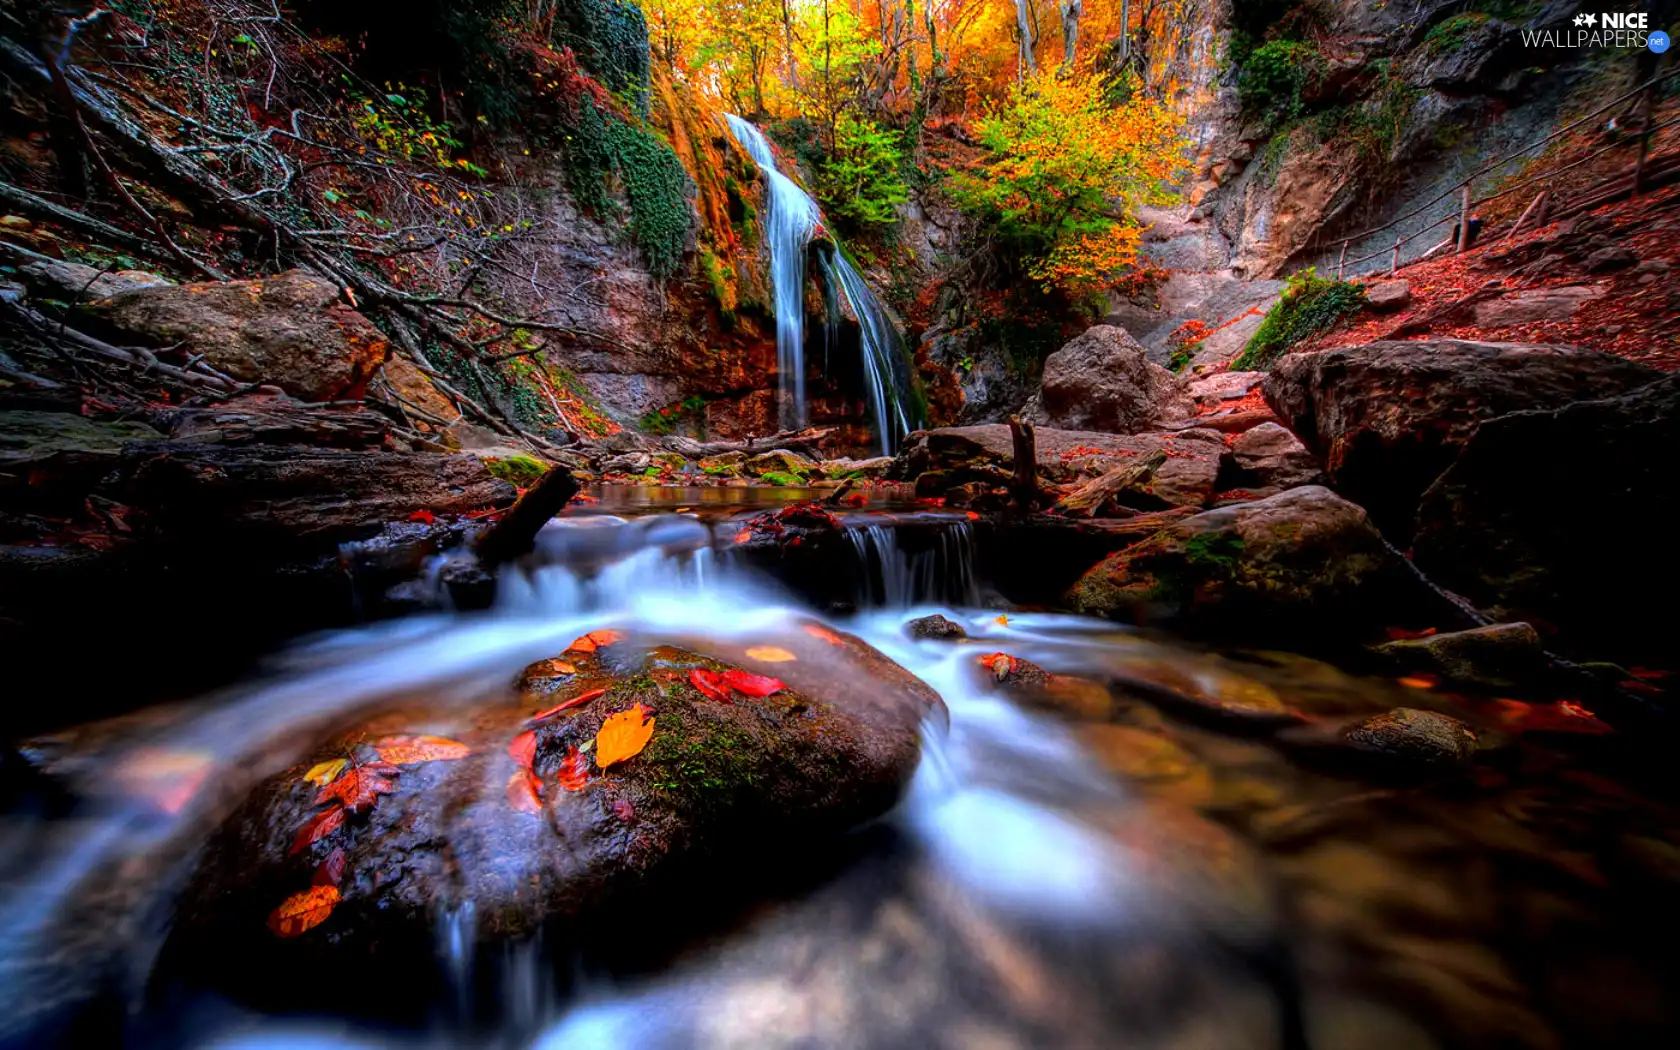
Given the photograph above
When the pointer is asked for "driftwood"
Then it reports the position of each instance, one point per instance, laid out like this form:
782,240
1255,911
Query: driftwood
833,499
1088,498
801,441
1024,483
516,532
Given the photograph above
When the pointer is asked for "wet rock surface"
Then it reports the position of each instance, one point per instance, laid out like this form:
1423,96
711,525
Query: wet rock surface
1389,417
935,627
508,824
1423,738
1494,657
1268,458
1302,556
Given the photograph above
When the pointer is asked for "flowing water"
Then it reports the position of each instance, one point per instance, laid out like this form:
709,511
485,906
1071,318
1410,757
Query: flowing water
793,220
1110,874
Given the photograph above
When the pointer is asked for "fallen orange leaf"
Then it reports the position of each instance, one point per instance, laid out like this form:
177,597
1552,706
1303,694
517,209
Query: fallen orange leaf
1422,681
581,698
318,828
595,640
1002,620
360,787
302,912
824,633
623,736
574,771
771,654
323,773
523,749
553,668
407,750
752,684
1000,664
522,791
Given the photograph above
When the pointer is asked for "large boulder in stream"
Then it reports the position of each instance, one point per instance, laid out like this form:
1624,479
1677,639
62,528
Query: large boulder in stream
1103,380
498,821
1302,557
1388,417
1562,518
294,330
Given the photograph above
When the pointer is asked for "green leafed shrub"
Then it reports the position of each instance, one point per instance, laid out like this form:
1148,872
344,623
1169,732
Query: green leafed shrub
1273,78
1310,305
860,182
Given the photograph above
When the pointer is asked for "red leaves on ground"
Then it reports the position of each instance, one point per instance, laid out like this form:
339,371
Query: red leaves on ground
319,827
524,791
710,683
331,871
424,517
595,640
407,750
302,912
1419,681
523,749
360,787
1403,634
752,684
1565,716
574,770
565,705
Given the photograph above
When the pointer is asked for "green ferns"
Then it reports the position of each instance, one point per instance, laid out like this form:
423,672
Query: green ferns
1310,306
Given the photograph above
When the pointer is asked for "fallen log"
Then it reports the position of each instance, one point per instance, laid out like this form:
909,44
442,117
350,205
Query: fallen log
802,441
516,533
1088,498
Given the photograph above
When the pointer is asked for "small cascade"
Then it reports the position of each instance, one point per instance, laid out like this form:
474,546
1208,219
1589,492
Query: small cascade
890,576
793,220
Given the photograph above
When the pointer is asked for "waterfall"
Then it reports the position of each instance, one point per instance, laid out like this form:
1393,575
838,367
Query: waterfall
793,219
891,577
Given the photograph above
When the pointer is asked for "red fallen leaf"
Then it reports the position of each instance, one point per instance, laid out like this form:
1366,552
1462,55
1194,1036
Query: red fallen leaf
523,749
1637,686
1648,673
319,827
1401,634
856,499
360,787
574,770
524,791
1002,665
624,810
302,912
595,640
331,870
710,683
752,684
1565,716
1419,681
581,698
744,536
424,517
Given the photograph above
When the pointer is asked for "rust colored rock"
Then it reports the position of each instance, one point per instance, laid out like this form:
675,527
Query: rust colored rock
296,331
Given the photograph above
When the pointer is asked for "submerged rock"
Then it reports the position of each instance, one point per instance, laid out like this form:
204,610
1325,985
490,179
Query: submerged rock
295,330
1103,380
1496,656
499,821
1027,683
935,627
1302,556
1389,417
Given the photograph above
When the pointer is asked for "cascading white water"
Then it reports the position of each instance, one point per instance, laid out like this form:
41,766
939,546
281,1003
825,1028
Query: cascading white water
893,578
794,218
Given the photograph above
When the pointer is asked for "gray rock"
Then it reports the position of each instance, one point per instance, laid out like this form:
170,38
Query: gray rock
1224,386
1496,656
1533,305
75,283
1103,380
1386,297
1269,456
935,626
1611,257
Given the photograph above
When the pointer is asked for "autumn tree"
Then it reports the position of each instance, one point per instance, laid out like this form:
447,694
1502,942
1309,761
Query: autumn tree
1064,175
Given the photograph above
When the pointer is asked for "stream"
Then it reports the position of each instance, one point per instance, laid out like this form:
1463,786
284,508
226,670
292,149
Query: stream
1117,874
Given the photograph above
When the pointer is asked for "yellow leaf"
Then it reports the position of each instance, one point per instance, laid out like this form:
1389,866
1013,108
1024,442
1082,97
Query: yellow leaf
406,750
304,911
623,736
323,773
770,654
1002,620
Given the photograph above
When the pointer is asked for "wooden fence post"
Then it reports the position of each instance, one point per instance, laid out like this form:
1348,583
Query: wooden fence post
1526,212
1341,261
1463,218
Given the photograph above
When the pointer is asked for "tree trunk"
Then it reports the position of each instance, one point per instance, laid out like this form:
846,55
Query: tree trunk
1025,446
1023,29
1089,498
1125,30
787,38
1071,10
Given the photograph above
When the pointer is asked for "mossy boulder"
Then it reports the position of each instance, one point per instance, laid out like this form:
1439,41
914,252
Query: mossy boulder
778,461
515,832
1302,557
519,471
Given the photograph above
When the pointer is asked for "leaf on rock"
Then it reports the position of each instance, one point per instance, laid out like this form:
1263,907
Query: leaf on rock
523,749
710,683
566,705
319,827
524,791
595,640
407,750
770,654
824,634
574,770
331,871
302,912
360,787
1002,620
424,517
1419,681
752,684
323,773
554,668
623,736
1000,664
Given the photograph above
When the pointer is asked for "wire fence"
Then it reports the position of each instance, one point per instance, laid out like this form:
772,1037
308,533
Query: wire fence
1462,188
